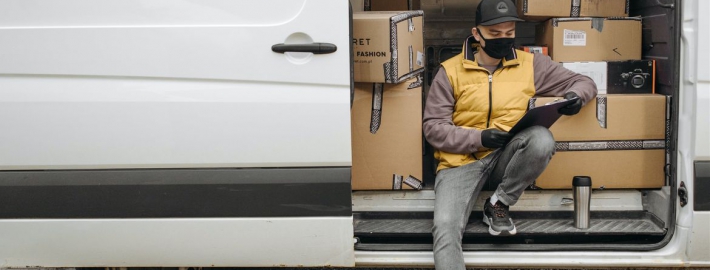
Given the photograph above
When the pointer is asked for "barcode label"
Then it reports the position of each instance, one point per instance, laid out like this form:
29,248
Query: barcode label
535,49
574,38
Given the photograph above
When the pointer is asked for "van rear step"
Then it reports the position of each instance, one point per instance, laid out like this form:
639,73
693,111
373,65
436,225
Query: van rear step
412,231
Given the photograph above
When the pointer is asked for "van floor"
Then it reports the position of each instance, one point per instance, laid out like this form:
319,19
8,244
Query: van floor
402,221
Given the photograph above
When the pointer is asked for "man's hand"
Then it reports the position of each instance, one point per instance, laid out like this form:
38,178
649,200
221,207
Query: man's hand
493,138
573,108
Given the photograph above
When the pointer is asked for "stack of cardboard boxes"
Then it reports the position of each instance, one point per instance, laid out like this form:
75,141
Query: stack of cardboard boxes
388,56
619,139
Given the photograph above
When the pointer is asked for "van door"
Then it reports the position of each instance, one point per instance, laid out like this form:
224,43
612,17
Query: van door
175,133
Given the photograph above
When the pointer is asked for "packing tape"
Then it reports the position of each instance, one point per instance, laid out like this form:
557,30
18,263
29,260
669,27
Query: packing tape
416,83
627,7
598,23
376,116
531,103
390,68
601,110
396,182
413,182
411,58
575,8
610,145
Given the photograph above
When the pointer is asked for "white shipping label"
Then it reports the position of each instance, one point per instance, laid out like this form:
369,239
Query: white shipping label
420,59
574,38
597,71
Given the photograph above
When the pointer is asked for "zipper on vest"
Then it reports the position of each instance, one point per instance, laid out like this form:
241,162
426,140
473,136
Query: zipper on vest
490,99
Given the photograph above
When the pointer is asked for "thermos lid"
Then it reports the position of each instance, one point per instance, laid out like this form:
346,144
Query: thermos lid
582,181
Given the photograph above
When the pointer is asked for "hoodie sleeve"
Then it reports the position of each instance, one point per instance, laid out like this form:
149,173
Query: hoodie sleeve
438,126
552,79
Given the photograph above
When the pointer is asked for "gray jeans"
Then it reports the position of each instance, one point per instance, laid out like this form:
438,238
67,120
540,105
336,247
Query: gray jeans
516,166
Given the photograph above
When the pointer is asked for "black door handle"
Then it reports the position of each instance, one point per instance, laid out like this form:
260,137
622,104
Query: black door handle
315,48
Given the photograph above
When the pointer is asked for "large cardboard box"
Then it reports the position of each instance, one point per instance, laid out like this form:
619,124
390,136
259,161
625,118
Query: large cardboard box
613,118
619,77
387,136
539,10
388,46
591,39
618,140
392,5
613,169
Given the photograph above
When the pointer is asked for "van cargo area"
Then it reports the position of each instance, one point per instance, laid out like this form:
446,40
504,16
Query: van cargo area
624,216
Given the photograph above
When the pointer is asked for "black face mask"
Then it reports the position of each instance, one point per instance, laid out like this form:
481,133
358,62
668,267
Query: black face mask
498,47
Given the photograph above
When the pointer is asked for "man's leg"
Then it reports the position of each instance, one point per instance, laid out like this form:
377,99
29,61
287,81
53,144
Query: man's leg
456,191
521,161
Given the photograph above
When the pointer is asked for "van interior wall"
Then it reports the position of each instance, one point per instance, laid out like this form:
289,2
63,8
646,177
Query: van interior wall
660,42
448,23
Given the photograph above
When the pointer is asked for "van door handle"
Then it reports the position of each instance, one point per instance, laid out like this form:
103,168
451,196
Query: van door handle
315,48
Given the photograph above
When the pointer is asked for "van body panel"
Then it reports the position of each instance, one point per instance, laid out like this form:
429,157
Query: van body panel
169,193
176,242
168,133
156,84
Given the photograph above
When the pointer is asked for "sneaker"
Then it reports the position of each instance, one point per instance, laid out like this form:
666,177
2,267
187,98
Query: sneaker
498,219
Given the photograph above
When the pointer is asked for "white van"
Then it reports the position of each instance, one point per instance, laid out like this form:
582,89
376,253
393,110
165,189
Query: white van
174,133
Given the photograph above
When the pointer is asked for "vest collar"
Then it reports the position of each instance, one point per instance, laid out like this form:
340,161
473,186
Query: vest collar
469,56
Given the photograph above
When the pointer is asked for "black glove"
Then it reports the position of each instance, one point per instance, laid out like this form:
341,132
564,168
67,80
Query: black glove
493,138
573,108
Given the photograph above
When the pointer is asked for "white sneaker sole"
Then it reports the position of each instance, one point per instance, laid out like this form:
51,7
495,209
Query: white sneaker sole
497,233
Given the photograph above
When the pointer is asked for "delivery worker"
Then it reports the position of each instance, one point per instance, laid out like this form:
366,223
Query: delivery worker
474,99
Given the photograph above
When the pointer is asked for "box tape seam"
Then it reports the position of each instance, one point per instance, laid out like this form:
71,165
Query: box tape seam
390,68
610,145
376,114
396,182
575,9
601,110
413,182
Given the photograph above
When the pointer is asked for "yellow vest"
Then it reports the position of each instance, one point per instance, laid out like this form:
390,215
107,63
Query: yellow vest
485,100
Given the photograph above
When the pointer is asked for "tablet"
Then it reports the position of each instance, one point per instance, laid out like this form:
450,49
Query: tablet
545,115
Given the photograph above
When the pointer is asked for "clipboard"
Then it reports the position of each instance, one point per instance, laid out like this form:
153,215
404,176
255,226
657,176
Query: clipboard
545,115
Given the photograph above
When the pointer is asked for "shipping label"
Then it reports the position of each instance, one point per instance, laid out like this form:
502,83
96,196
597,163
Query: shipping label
574,38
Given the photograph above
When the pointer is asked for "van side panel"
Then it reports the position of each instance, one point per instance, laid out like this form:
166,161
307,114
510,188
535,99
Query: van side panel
163,84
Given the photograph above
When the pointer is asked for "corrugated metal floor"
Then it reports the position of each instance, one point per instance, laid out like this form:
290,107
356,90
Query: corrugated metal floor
557,222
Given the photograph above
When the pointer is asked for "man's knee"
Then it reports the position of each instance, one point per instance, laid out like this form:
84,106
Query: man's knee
541,140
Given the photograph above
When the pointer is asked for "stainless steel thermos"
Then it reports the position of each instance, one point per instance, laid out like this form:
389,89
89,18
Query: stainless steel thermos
582,197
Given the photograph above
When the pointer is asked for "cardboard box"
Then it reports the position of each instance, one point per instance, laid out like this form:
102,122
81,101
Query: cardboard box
619,77
614,118
540,10
387,136
591,39
388,46
611,169
392,5
618,140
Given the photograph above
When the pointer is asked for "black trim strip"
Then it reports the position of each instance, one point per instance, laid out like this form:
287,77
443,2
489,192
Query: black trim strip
176,193
701,201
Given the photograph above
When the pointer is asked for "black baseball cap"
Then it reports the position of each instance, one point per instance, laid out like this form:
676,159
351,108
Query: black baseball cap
490,12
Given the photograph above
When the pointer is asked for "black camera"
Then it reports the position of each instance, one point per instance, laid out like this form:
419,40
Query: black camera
630,77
